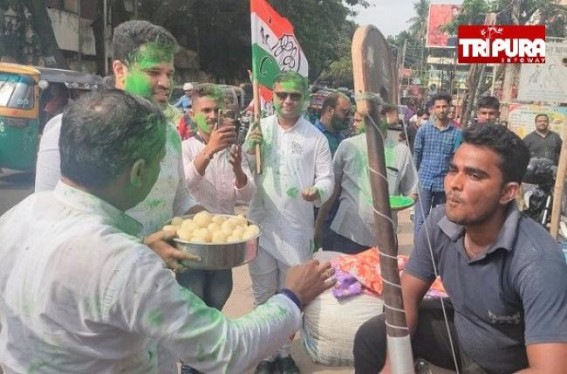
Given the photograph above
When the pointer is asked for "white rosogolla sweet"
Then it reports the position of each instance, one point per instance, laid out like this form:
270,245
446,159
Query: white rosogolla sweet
212,228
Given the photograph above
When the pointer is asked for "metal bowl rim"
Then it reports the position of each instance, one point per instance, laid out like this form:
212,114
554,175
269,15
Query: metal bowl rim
190,216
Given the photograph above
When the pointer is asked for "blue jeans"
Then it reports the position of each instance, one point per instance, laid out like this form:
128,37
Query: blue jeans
211,286
426,201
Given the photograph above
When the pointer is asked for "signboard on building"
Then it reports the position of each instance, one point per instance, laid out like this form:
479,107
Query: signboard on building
522,116
439,16
546,82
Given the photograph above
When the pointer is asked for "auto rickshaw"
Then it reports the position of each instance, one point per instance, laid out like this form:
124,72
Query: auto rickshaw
25,99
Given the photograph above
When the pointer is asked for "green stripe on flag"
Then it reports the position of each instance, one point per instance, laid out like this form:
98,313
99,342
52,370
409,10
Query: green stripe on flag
265,66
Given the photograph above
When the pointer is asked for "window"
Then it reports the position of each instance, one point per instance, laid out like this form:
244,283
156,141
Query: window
16,91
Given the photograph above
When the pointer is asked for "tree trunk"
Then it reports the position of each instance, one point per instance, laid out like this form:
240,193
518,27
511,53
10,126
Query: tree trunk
41,24
98,31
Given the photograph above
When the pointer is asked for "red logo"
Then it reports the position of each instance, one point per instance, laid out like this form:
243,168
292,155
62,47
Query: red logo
501,44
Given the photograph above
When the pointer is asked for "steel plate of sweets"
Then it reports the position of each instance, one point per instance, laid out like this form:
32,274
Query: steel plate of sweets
221,241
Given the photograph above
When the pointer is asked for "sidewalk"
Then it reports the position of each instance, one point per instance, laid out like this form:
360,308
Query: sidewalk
241,301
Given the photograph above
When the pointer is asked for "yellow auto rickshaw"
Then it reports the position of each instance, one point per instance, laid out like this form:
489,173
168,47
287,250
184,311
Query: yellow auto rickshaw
19,116
29,97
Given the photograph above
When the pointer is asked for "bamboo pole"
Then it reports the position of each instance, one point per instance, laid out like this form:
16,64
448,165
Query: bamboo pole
257,118
374,77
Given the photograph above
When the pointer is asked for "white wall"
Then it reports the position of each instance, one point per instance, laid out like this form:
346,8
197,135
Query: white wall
66,29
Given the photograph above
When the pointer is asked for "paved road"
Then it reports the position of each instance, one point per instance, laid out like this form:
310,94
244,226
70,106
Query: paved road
14,187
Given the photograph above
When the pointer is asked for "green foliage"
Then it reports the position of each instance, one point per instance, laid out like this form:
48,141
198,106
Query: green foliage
473,12
418,23
339,72
548,12
219,31
319,27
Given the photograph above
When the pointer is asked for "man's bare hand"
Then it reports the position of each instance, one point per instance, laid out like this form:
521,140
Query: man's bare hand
310,279
310,194
221,137
235,157
254,138
172,256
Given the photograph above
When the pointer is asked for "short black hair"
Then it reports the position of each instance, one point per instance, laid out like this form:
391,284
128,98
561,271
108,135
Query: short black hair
541,115
513,152
441,96
131,35
332,100
488,102
388,108
103,133
207,90
421,111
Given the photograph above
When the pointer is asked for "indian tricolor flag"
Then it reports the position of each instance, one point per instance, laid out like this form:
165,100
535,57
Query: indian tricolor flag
274,47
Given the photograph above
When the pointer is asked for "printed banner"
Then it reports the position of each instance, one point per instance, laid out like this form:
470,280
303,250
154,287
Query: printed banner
521,118
546,82
439,16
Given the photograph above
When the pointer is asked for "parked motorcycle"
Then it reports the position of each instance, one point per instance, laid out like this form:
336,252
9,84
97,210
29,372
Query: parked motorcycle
538,195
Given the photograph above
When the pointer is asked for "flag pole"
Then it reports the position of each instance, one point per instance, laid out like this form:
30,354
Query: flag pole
257,117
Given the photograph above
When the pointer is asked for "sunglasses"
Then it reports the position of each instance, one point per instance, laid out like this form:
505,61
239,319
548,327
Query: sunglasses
295,96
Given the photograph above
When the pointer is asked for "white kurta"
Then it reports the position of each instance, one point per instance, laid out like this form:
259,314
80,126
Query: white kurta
216,189
79,293
169,196
292,160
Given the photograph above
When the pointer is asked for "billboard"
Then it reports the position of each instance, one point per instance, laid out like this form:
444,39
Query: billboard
439,16
521,118
546,82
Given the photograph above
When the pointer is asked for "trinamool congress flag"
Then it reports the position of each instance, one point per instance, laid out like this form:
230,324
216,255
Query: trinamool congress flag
274,47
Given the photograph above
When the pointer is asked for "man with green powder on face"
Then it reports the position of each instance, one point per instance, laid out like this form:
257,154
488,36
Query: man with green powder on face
143,65
297,175
218,176
80,292
352,227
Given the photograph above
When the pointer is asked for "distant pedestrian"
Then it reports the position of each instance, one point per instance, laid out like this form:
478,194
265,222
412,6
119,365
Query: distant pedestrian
487,110
434,146
185,102
422,116
542,142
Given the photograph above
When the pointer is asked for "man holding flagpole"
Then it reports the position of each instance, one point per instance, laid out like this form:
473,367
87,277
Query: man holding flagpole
297,172
297,175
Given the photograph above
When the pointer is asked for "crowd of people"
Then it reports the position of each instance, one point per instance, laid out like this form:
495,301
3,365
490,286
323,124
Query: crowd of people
89,281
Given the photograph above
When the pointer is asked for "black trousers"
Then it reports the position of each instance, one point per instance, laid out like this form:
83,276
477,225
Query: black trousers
430,341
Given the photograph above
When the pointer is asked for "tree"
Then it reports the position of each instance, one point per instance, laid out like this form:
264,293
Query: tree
339,71
418,23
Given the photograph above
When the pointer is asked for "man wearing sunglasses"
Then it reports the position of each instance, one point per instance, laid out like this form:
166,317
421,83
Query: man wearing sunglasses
297,175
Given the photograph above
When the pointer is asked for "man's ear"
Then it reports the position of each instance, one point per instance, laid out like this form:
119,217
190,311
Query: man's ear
137,172
120,71
509,192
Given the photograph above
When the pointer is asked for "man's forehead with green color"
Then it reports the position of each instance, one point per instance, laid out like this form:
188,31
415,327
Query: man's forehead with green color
290,86
151,54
